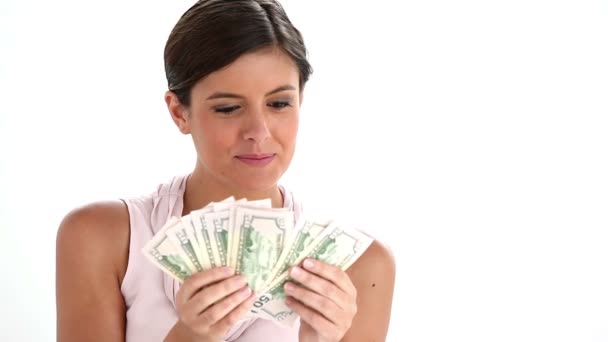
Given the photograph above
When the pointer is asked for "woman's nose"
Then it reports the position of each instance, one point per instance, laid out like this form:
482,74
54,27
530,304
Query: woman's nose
256,128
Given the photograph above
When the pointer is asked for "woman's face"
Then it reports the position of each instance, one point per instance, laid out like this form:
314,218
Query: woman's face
244,120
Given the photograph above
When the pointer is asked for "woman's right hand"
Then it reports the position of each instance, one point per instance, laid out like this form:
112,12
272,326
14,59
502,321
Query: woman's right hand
209,303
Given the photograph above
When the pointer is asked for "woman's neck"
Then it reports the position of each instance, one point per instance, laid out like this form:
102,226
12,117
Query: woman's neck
202,189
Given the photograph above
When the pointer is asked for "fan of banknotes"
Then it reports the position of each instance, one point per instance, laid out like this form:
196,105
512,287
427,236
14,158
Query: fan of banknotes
257,241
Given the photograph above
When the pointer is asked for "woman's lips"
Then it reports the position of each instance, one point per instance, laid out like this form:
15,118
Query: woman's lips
256,159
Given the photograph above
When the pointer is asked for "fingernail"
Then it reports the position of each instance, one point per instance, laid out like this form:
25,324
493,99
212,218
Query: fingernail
296,271
246,292
241,280
288,287
308,263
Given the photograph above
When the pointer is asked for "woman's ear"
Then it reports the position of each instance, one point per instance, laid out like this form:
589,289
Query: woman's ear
179,113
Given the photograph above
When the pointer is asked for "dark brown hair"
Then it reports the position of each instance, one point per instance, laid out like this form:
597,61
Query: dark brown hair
214,33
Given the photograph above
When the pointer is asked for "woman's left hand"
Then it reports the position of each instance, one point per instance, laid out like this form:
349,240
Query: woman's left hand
326,301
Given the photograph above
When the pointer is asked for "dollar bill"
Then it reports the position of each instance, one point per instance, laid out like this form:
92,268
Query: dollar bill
305,232
258,241
336,246
217,226
161,252
211,245
260,235
264,203
190,228
181,241
207,257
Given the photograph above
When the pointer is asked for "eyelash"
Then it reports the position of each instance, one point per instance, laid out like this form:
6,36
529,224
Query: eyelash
229,110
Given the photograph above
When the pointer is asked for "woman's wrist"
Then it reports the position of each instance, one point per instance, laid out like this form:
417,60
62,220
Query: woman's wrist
179,333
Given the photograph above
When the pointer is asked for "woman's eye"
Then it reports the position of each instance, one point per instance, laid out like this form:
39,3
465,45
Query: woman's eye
226,110
280,104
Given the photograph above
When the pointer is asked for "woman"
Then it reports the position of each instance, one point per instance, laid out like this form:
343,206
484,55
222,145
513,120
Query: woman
236,72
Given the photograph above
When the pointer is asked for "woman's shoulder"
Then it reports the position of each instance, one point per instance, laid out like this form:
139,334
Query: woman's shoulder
378,259
96,221
373,275
99,233
374,272
92,249
96,234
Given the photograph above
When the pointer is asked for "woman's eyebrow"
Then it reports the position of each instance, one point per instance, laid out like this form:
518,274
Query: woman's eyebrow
218,95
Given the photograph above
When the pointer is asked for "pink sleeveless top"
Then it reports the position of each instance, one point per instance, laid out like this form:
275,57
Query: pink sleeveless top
150,294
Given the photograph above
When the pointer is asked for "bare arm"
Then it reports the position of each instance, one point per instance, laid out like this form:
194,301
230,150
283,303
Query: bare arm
92,254
373,274
352,306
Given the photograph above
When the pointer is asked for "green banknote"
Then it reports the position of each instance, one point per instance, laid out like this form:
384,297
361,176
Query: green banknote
180,239
217,225
260,236
305,232
258,241
161,252
335,245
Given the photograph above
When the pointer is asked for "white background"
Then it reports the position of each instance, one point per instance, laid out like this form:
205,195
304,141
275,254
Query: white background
471,136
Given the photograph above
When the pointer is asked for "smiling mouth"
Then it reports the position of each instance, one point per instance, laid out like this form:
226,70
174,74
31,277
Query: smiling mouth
256,156
257,160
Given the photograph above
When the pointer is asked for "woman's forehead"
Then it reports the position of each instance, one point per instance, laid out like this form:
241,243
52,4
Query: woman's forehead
256,72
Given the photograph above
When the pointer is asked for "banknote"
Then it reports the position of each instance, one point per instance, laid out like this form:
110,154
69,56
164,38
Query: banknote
232,225
218,225
163,253
260,235
185,247
305,232
208,257
258,241
336,245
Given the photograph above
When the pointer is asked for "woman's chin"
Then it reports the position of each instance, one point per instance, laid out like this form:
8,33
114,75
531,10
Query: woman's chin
257,184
